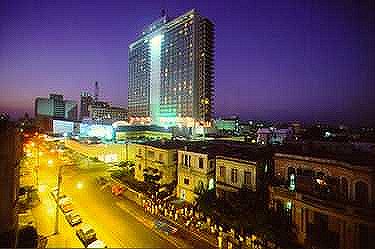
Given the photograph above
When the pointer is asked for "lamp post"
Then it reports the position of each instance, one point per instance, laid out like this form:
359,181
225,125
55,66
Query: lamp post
59,180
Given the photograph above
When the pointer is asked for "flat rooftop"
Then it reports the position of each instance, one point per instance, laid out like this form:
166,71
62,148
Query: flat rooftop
344,153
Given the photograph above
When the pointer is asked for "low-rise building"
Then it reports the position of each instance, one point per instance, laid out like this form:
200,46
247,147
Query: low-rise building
156,161
196,170
241,167
136,132
102,112
328,197
273,135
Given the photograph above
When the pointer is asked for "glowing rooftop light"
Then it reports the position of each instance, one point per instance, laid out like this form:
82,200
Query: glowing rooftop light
156,41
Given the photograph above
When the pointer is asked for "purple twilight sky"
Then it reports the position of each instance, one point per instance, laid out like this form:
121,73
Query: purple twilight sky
278,60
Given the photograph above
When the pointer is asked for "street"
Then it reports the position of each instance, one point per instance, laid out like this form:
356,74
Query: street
97,207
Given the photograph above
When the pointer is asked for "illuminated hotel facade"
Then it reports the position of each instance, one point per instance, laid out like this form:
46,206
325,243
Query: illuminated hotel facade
171,71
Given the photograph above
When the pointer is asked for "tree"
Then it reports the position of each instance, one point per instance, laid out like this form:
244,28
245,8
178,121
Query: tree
27,237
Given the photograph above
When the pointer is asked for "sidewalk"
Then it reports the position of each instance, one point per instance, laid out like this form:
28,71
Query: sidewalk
148,221
198,239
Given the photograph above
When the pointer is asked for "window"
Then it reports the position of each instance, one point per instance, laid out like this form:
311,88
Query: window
187,160
186,181
140,167
201,163
160,157
344,188
233,175
247,178
222,171
361,193
150,154
292,182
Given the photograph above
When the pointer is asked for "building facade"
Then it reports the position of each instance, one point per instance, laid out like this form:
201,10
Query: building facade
196,172
105,113
86,101
171,74
273,135
10,156
71,110
55,106
239,168
156,162
328,202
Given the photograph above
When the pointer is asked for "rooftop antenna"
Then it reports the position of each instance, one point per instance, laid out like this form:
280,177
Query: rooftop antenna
163,13
96,91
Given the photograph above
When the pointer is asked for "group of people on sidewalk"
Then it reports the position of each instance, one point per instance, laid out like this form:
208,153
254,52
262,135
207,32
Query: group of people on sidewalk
190,218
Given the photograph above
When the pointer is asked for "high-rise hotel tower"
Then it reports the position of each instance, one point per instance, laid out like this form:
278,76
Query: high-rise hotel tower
171,71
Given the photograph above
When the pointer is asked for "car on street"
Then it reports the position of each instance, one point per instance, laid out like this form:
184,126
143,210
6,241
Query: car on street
165,226
97,244
73,218
67,207
65,200
86,234
101,180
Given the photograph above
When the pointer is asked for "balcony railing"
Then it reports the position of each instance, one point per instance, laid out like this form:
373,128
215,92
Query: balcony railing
314,199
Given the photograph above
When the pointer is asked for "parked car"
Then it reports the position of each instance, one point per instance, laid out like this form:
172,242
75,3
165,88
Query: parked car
165,226
101,180
65,200
97,244
86,234
67,207
117,190
73,218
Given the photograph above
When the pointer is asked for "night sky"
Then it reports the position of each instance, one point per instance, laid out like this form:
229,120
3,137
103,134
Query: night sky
276,60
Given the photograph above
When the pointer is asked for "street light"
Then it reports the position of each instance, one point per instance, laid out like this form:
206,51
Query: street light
59,179
79,185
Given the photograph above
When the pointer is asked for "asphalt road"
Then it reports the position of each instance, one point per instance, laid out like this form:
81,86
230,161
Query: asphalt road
113,225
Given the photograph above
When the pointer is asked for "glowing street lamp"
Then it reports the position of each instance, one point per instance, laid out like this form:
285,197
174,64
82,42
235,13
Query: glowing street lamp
79,185
50,162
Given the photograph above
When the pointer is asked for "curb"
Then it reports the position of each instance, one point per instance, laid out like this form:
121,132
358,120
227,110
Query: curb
199,236
149,224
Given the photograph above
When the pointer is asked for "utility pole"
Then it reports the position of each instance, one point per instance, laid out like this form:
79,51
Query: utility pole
59,178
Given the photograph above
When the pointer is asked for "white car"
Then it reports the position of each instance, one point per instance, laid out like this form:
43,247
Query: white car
65,200
97,244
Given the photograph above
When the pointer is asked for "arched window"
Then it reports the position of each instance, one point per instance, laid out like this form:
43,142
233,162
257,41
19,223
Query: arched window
291,170
361,193
344,188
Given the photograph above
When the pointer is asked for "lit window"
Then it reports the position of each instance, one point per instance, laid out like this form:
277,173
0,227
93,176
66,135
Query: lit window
247,178
233,175
292,182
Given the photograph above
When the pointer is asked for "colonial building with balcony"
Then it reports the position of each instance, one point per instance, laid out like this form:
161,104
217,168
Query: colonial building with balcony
156,161
241,167
328,196
196,170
